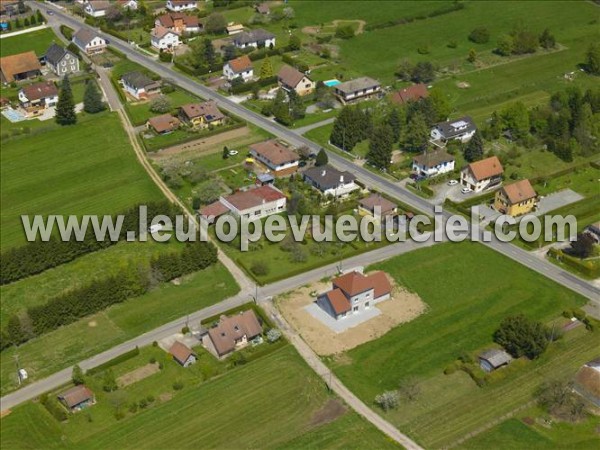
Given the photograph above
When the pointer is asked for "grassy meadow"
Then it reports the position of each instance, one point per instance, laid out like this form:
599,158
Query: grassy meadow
463,311
38,41
271,402
84,169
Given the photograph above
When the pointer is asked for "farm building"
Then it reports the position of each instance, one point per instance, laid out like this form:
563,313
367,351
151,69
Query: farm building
182,354
77,398
493,359
20,67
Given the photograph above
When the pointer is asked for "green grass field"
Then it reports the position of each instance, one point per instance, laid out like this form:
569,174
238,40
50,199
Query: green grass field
514,433
271,402
94,334
463,311
38,41
84,169
140,113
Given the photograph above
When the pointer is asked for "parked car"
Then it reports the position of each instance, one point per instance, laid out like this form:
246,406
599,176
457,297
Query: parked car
452,182
466,190
233,152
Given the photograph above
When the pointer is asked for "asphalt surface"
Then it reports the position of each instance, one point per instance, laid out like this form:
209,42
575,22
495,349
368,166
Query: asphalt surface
264,293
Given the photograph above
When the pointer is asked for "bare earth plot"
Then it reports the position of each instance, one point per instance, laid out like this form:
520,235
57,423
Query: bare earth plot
138,374
403,307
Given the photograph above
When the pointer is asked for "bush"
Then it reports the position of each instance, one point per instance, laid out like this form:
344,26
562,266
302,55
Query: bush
54,407
259,268
479,35
387,400
273,335
178,385
185,330
522,337
161,104
152,360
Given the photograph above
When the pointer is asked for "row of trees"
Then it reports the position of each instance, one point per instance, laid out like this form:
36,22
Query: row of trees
32,20
36,257
568,125
99,294
65,108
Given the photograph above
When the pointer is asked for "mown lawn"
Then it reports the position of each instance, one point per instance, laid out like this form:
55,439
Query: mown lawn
88,168
468,289
269,402
140,113
38,41
514,433
94,334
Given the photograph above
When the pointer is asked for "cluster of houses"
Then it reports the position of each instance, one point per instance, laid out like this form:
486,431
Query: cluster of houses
196,116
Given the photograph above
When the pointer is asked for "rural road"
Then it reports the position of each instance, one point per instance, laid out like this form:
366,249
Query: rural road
371,179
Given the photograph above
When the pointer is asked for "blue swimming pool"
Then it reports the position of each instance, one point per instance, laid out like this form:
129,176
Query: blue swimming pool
330,83
13,115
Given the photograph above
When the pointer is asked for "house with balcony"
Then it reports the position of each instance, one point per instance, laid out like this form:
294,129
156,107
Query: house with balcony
139,86
239,67
278,158
356,90
516,199
484,174
202,115
181,5
461,129
38,97
232,333
179,23
291,79
163,39
432,163
254,38
330,181
89,42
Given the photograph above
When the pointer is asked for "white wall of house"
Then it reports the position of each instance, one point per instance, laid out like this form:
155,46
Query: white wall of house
94,12
168,41
437,135
468,180
272,166
48,101
66,65
230,74
434,171
184,7
257,212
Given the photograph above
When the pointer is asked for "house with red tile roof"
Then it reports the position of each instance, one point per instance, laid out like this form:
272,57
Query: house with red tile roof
232,333
277,157
353,293
484,174
410,94
239,67
182,354
20,67
37,97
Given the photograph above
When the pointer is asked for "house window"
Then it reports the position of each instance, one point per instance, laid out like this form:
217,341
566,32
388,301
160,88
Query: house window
367,304
355,309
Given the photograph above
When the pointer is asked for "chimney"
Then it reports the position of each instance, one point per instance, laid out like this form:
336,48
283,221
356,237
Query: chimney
323,173
341,178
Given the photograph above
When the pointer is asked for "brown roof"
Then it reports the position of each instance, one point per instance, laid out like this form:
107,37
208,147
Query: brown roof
41,90
160,32
433,158
215,209
374,200
263,8
274,152
76,395
290,76
338,301
208,110
240,64
168,20
519,191
181,352
254,197
181,2
486,168
411,93
99,5
353,283
232,329
164,122
15,64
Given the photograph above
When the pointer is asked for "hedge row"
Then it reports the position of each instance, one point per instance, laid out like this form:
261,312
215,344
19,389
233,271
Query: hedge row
113,362
54,407
99,294
67,32
247,87
579,265
36,257
456,6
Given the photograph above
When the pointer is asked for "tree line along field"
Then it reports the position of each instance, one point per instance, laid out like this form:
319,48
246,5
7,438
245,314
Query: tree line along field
463,311
82,169
98,332
271,402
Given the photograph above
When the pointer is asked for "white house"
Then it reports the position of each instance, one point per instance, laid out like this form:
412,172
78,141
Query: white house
38,97
254,38
129,4
330,181
181,5
461,129
483,174
433,163
256,202
61,61
239,67
139,86
89,42
96,8
278,158
353,293
358,89
163,39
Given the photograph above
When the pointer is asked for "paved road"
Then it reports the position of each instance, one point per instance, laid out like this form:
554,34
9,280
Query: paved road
545,268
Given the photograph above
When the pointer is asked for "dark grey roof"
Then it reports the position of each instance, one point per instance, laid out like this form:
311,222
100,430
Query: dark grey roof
137,80
430,159
55,53
246,37
496,357
84,36
327,177
452,128
358,84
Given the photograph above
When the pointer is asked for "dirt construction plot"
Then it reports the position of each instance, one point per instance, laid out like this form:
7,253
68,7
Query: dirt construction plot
402,307
202,146
137,375
332,410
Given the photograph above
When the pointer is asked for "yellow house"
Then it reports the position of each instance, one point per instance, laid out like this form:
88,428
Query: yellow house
516,199
291,79
202,115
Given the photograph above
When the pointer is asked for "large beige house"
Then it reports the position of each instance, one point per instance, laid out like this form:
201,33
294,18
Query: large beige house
291,79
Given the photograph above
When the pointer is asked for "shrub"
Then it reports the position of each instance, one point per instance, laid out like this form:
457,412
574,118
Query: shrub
273,335
387,400
522,337
479,35
152,360
185,330
259,268
133,408
161,104
178,385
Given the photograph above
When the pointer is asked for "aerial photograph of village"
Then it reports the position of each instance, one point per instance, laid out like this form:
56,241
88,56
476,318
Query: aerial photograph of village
300,224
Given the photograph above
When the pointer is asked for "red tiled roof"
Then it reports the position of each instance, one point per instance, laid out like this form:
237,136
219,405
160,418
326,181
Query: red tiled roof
240,64
168,20
15,64
353,283
381,284
232,329
374,200
76,395
215,210
338,301
180,352
274,152
519,192
164,122
251,198
411,93
41,90
486,168
208,108
290,76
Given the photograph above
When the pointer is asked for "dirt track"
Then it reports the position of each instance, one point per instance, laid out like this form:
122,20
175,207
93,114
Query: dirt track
403,307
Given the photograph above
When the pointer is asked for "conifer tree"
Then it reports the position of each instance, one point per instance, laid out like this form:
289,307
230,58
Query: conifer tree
65,108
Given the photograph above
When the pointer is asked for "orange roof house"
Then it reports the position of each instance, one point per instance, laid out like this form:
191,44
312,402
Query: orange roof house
484,174
516,199
20,67
410,94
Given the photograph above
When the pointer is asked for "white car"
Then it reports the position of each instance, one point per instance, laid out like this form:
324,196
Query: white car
466,190
452,182
233,152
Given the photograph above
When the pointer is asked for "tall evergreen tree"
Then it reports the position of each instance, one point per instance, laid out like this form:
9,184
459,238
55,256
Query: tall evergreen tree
266,70
92,99
321,158
592,58
380,146
349,128
395,123
417,134
65,108
210,56
547,40
474,149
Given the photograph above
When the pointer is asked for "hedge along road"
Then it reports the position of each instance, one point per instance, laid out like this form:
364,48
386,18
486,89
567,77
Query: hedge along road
543,267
